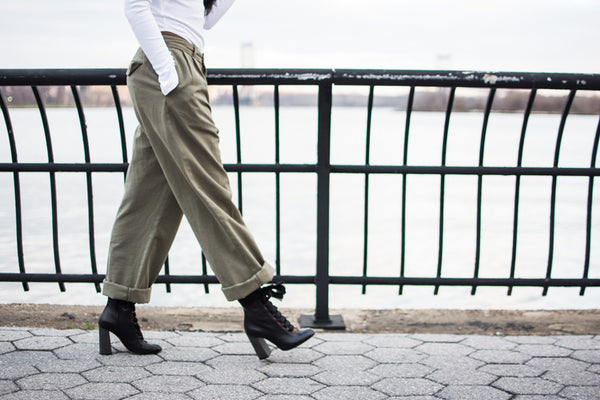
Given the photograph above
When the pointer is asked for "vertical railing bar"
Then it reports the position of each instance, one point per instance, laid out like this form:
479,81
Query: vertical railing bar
238,142
588,225
277,184
409,107
526,115
17,187
443,185
205,272
367,162
486,118
323,198
88,174
119,109
167,273
561,129
46,127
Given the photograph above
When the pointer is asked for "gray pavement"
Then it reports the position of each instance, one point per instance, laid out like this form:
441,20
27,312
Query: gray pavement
38,363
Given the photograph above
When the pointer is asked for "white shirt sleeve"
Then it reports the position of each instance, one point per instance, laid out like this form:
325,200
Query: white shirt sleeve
218,10
145,28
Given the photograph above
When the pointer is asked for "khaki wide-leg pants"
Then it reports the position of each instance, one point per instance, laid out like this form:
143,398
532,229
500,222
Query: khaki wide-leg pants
176,169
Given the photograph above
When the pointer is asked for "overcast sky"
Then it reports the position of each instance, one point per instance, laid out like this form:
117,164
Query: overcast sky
501,35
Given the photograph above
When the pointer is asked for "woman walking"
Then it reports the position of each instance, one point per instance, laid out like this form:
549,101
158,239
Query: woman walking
176,170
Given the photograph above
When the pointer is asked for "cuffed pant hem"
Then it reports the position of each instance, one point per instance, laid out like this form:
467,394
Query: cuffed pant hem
120,292
241,290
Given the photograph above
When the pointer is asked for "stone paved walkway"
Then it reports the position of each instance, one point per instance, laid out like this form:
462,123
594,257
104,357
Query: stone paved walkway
65,364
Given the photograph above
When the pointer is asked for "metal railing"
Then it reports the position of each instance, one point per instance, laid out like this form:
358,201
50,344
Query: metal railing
325,80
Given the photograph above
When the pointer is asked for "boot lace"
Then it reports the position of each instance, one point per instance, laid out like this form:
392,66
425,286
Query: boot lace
136,324
276,290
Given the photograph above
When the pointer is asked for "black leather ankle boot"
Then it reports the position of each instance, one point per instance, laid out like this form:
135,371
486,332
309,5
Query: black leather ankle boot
119,318
263,321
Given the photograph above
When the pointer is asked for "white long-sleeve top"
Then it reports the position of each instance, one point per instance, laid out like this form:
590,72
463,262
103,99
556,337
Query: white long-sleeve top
186,18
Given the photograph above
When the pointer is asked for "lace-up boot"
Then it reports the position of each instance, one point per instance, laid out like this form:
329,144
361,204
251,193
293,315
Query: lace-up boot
263,321
119,318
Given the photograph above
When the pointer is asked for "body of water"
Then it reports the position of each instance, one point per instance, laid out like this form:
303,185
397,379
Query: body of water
298,204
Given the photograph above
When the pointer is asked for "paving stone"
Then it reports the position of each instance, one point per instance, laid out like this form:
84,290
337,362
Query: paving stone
35,394
415,398
461,376
165,335
8,335
243,348
592,356
67,365
537,397
438,337
229,392
580,392
297,355
527,385
348,392
488,343
195,339
234,337
450,362
231,376
6,347
343,337
531,339
500,356
395,341
26,357
516,370
101,391
282,397
7,387
159,396
336,363
55,332
579,342
545,350
50,381
288,386
575,378
407,370
395,355
178,368
128,359
16,371
557,364
407,386
115,374
444,349
197,354
78,351
338,348
90,337
42,343
595,368
468,392
346,377
168,383
290,370
238,361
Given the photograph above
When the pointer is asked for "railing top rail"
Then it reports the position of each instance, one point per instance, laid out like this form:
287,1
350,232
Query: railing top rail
264,76
476,79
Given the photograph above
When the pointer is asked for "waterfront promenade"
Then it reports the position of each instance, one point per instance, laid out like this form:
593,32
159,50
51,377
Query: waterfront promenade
47,363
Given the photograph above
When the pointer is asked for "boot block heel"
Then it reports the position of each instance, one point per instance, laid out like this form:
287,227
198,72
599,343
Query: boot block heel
105,347
261,347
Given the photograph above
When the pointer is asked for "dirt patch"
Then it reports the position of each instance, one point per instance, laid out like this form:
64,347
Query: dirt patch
483,322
